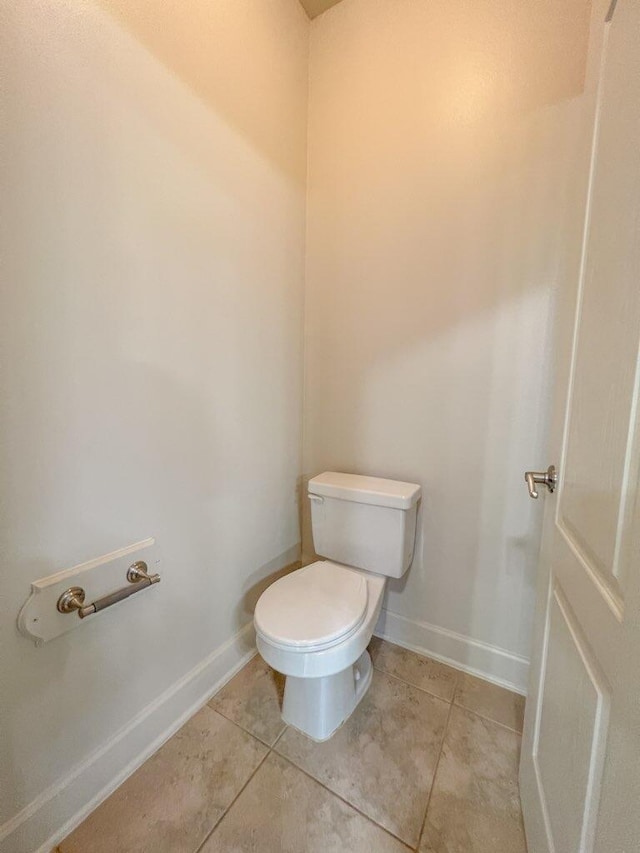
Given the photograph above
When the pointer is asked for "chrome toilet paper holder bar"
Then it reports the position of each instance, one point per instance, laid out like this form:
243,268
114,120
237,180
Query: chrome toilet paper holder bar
72,599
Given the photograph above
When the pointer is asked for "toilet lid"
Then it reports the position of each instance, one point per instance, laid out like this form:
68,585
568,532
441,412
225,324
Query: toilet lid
316,605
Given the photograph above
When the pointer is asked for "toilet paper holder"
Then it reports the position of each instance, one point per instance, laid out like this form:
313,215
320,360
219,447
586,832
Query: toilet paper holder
72,599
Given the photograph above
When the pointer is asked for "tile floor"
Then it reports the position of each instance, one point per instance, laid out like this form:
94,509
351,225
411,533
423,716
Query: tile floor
427,762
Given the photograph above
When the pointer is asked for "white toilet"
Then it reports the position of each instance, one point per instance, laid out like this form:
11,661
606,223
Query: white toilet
314,625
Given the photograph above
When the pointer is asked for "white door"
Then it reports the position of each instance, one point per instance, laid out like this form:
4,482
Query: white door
580,766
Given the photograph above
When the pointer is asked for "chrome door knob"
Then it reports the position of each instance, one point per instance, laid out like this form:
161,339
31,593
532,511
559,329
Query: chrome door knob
548,478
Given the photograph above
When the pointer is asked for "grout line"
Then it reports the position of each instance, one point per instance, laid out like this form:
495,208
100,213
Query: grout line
279,736
246,731
487,719
453,701
270,749
233,801
435,774
343,800
417,687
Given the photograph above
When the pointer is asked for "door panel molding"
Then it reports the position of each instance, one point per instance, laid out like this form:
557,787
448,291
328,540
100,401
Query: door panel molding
629,482
601,723
578,795
541,797
606,589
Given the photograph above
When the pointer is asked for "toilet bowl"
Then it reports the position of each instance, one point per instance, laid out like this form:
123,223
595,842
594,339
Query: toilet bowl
314,625
322,649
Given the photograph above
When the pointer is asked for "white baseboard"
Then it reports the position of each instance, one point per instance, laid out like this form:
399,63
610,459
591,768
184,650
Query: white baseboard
482,659
47,820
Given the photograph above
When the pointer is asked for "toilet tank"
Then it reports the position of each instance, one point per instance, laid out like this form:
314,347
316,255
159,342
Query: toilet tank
365,522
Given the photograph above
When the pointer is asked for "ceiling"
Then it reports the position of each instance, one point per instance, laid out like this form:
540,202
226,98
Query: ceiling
313,8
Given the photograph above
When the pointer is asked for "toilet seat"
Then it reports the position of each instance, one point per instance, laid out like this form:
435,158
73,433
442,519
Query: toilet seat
313,608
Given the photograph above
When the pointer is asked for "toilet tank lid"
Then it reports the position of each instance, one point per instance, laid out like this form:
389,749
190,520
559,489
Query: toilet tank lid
365,490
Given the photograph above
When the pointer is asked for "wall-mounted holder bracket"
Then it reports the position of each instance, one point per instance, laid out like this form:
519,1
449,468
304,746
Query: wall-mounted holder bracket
72,599
45,614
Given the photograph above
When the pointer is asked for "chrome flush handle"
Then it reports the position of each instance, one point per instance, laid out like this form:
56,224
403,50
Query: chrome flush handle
548,478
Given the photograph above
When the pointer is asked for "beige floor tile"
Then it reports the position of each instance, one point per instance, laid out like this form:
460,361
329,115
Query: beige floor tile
172,802
253,699
490,701
475,804
283,811
422,672
383,759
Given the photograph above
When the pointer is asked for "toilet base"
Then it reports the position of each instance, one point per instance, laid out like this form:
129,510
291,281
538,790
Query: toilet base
319,706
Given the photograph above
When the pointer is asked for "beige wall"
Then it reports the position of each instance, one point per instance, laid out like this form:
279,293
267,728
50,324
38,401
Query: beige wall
152,203
440,134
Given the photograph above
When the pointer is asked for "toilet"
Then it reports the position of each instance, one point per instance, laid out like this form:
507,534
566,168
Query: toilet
314,625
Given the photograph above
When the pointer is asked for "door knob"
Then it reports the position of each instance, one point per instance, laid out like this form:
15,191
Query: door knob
548,478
